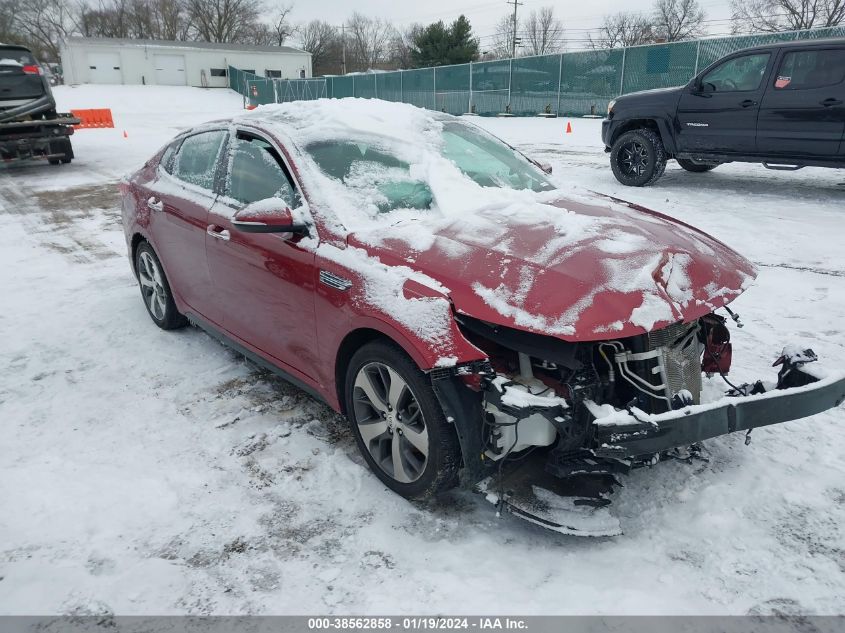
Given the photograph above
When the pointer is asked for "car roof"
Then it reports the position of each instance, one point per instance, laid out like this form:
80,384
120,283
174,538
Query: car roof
820,43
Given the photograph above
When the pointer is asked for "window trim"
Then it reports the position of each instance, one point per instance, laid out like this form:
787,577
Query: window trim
699,81
261,136
809,49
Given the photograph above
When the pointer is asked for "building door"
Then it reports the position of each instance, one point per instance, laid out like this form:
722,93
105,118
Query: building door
104,68
170,70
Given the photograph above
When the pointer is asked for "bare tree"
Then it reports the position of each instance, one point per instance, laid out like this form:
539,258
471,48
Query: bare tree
771,16
9,32
223,20
322,40
281,28
368,41
401,46
543,32
677,20
503,37
170,19
623,29
44,24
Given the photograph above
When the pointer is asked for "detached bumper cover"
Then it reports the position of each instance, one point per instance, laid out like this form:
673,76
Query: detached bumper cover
623,434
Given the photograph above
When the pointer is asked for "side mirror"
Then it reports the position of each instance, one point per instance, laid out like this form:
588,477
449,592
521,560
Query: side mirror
703,88
546,167
267,216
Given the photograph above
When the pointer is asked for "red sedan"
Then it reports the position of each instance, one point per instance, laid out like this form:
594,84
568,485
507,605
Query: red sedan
438,288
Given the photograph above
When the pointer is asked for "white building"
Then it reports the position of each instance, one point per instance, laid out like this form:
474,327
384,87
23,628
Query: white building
203,64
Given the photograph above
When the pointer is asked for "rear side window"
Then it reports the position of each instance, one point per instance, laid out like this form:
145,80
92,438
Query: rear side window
256,173
740,74
803,70
197,159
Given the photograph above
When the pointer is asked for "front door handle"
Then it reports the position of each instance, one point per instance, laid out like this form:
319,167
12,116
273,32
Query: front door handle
829,103
748,103
216,232
155,204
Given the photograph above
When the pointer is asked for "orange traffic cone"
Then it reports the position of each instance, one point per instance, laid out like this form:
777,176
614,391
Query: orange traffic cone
569,127
125,135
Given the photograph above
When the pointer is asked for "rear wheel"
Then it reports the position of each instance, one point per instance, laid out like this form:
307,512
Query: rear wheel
638,157
398,423
155,290
696,166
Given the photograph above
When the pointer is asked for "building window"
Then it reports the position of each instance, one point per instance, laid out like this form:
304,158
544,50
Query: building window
273,74
249,71
219,72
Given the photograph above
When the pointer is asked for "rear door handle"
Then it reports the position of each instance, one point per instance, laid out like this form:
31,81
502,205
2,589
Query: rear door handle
828,103
155,204
216,232
747,103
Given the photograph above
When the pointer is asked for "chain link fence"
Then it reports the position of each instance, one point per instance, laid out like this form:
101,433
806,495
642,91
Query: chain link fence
574,84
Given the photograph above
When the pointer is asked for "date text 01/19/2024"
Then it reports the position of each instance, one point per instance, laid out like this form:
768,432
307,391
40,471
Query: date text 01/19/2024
416,623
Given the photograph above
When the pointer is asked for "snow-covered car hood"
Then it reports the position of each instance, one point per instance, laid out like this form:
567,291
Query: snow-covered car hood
603,269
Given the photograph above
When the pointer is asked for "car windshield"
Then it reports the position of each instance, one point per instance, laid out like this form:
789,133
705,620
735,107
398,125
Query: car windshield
378,177
489,162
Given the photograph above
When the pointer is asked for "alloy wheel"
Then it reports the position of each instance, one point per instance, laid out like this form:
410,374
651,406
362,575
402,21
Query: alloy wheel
152,286
390,421
633,158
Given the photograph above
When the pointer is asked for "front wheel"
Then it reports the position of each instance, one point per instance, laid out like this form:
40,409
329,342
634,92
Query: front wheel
697,167
638,158
398,423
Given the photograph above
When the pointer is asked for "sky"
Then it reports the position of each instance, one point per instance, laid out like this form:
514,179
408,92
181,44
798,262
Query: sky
578,18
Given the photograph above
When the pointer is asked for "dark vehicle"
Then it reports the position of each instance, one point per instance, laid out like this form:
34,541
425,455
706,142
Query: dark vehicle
782,105
30,127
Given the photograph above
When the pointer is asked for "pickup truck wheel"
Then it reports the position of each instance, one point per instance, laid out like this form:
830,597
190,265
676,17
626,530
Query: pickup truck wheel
398,423
638,158
697,167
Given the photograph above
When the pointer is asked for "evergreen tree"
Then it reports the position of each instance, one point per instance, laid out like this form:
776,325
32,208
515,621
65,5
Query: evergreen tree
439,45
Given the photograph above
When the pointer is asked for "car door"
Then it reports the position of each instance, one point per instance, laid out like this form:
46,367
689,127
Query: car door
717,113
803,111
264,283
179,201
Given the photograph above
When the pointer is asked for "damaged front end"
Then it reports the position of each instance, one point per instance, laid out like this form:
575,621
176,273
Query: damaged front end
559,420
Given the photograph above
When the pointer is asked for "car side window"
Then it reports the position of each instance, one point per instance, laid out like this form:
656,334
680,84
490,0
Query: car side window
803,70
196,161
256,172
740,74
166,161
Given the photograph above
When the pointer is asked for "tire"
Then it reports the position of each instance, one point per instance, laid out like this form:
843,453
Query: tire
695,166
638,158
66,160
155,289
378,417
54,161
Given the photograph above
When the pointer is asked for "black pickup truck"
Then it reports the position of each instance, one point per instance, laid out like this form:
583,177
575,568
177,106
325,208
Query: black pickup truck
30,127
782,105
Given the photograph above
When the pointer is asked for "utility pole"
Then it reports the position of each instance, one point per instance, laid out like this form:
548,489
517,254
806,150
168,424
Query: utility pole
343,39
514,40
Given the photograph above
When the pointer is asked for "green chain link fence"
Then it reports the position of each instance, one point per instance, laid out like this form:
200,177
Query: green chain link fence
580,83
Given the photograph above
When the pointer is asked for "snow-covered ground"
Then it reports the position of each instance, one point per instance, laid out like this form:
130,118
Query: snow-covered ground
144,472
